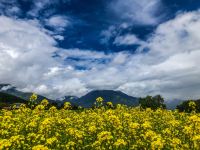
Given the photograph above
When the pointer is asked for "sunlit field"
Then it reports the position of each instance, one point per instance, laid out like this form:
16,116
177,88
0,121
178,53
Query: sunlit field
98,128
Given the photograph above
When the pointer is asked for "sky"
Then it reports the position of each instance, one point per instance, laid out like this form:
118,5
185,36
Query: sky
70,47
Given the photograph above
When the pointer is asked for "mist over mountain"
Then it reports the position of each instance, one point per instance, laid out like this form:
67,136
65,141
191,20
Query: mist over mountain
171,104
10,94
11,90
116,97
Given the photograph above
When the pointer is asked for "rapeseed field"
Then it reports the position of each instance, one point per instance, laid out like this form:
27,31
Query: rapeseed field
101,128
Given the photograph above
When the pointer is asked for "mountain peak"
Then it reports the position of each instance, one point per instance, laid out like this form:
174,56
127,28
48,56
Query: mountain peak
116,97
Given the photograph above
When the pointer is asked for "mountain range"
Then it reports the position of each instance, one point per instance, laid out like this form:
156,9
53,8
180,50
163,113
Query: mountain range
116,97
10,94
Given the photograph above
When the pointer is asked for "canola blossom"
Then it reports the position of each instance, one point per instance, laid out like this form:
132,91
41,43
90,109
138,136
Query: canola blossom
99,129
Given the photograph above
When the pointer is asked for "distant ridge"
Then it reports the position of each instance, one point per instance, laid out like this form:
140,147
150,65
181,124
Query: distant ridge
10,99
11,90
116,97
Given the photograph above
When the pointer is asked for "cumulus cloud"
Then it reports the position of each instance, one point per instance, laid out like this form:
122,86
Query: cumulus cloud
27,62
138,12
26,52
170,67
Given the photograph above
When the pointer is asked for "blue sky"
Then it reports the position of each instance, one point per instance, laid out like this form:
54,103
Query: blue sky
70,47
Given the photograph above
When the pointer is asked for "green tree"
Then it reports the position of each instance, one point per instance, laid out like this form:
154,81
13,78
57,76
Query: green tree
189,106
152,102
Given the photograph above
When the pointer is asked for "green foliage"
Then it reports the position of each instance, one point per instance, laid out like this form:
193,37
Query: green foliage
189,106
152,102
2,105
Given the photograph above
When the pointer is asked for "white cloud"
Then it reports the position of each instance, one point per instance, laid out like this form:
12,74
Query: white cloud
138,12
58,22
39,5
25,51
177,36
59,37
108,34
169,68
10,8
114,32
5,88
128,39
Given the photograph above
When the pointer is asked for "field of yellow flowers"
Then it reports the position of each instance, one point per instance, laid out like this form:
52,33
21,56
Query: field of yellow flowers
101,128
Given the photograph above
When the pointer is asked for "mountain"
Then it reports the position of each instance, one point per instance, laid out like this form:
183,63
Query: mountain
171,104
11,90
7,99
116,97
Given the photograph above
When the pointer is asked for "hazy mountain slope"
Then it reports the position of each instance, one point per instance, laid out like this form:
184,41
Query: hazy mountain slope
8,89
171,104
9,99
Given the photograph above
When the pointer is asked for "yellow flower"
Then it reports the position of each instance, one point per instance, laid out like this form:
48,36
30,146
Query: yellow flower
99,100
104,135
92,129
134,125
52,140
157,144
196,141
175,142
194,118
192,105
109,104
39,107
5,144
98,128
150,135
44,102
40,147
174,123
196,138
53,109
146,124
120,142
33,97
70,145
67,105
